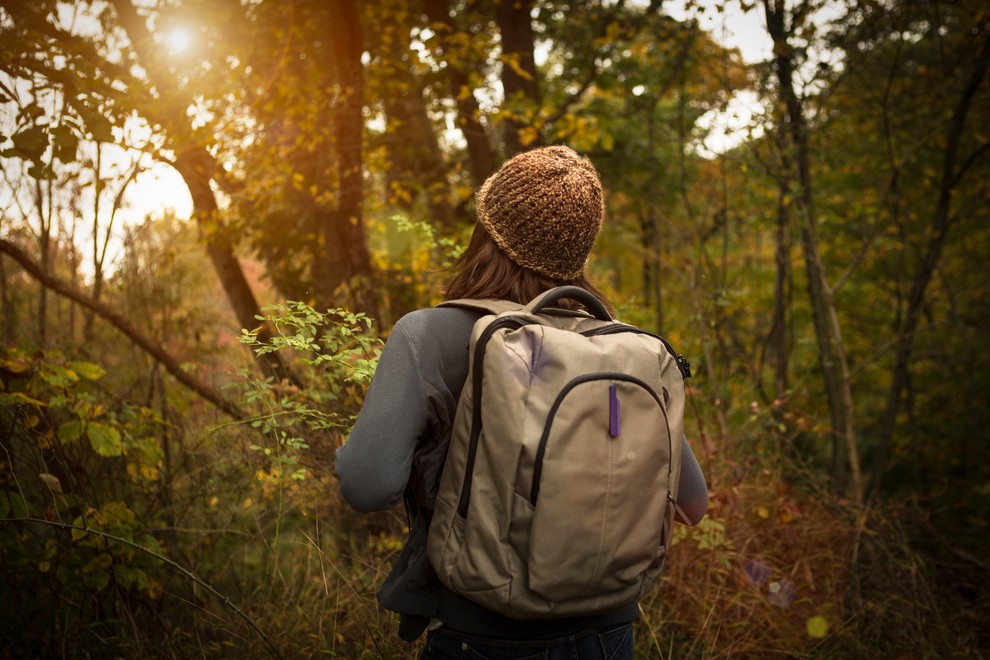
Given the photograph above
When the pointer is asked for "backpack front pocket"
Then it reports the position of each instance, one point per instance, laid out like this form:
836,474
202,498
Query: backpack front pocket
606,442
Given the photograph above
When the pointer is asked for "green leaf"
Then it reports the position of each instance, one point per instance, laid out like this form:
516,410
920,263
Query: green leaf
105,439
88,370
70,431
14,398
12,505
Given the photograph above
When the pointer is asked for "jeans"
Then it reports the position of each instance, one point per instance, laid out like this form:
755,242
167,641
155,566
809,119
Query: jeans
614,643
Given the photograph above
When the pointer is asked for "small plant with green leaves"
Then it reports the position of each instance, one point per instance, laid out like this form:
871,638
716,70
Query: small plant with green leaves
77,470
335,354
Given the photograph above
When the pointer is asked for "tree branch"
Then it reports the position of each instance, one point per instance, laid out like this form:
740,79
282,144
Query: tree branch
105,312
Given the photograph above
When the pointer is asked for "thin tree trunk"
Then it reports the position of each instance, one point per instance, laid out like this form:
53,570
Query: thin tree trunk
941,224
779,337
44,243
700,317
827,328
100,253
651,232
97,265
6,306
196,166
702,324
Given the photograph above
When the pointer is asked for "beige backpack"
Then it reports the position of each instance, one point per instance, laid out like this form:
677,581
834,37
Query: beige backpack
557,495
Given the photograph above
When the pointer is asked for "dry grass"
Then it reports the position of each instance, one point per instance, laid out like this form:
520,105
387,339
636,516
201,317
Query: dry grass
772,572
777,569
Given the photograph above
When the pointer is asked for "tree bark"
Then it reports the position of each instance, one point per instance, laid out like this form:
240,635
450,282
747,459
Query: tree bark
519,84
107,313
346,260
652,260
195,167
828,334
6,306
779,337
45,246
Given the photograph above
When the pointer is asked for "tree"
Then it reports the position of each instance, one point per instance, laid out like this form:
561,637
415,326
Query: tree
932,145
782,25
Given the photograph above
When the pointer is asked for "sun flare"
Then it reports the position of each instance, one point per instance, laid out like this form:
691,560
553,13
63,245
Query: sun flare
178,40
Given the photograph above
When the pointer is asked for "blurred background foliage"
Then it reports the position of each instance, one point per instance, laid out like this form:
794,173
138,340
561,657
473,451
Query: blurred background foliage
212,213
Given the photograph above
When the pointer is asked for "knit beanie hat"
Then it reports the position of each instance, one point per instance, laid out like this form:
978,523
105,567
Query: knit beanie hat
544,208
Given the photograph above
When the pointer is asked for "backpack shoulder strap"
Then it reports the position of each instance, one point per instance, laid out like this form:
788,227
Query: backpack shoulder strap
485,305
541,304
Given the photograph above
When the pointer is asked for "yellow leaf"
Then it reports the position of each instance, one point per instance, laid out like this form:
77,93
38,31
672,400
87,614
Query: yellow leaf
527,136
15,366
88,370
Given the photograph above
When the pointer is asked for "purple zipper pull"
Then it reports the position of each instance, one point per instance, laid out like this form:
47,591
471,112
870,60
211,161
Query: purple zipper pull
613,411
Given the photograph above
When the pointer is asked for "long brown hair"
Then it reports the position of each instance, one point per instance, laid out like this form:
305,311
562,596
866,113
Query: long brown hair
485,271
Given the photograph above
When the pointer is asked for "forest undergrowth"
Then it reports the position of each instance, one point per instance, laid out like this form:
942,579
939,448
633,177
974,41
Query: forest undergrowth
174,533
776,569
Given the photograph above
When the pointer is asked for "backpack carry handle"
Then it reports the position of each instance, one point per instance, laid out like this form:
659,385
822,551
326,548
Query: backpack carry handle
583,296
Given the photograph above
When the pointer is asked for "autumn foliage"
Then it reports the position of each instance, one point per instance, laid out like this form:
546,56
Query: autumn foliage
212,213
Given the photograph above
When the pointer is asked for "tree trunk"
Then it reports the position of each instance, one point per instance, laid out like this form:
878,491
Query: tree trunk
45,246
197,166
346,260
652,261
779,337
97,263
6,306
481,157
519,84
846,466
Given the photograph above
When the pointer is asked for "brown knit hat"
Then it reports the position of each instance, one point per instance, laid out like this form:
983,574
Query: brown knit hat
544,208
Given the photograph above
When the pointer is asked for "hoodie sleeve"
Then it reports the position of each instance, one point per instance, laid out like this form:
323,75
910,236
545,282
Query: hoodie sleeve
692,493
373,465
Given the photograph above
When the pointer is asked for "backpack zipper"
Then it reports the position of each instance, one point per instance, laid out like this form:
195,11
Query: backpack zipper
682,364
586,378
477,376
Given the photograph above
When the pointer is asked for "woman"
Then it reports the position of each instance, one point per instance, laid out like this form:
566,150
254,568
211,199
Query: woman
538,218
